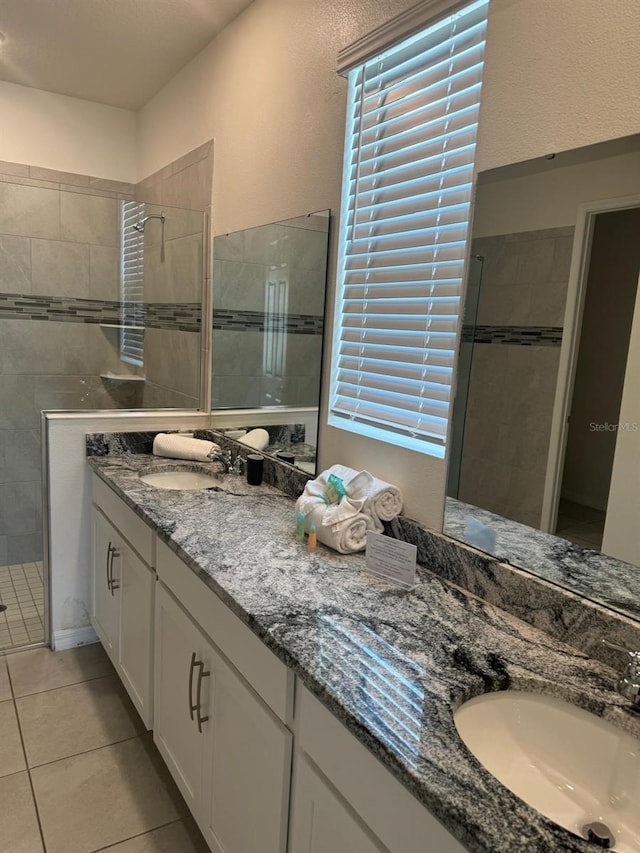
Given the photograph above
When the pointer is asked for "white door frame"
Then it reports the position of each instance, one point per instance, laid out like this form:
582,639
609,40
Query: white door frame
576,290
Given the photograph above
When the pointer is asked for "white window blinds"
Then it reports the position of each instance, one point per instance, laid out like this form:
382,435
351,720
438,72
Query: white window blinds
408,171
132,284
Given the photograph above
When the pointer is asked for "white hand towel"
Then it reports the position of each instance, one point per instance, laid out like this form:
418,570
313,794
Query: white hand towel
383,501
176,446
349,505
257,438
347,536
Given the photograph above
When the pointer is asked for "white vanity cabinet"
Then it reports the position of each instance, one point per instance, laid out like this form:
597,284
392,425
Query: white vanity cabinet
343,798
221,705
228,752
322,821
123,585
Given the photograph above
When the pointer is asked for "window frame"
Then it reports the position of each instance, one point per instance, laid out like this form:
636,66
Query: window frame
353,61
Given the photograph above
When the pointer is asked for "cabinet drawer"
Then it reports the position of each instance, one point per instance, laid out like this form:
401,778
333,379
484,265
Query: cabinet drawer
133,528
268,676
394,815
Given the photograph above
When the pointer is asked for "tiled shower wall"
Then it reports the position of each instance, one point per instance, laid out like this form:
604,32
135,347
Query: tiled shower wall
55,245
514,370
173,354
295,253
59,278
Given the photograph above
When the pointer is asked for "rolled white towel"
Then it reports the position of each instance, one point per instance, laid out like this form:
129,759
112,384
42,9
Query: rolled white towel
176,446
256,438
347,536
383,500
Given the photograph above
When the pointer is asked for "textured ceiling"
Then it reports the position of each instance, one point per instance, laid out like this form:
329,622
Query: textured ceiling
117,52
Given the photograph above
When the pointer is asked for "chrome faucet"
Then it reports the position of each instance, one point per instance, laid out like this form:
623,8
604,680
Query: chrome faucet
231,465
628,684
225,458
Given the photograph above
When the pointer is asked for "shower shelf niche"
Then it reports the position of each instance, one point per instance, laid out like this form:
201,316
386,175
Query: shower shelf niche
121,377
118,326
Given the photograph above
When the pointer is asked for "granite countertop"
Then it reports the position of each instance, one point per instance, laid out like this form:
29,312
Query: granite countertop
392,665
599,577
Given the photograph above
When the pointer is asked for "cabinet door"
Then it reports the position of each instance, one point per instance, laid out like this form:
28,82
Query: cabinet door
179,647
135,657
105,601
246,796
321,820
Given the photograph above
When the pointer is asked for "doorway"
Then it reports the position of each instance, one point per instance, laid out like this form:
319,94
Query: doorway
609,291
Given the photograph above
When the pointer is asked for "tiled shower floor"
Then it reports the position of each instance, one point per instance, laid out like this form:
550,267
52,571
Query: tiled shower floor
22,592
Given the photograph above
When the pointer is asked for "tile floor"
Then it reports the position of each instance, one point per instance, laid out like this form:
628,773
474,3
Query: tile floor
581,524
22,592
78,772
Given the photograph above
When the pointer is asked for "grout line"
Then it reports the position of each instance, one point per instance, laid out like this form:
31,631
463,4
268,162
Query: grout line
72,684
138,835
84,752
28,770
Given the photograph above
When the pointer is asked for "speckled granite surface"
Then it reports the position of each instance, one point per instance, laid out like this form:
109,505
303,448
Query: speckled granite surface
285,477
597,576
545,604
392,665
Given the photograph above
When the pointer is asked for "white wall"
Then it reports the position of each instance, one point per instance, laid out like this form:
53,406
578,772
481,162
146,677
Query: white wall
598,389
549,195
68,134
558,75
68,497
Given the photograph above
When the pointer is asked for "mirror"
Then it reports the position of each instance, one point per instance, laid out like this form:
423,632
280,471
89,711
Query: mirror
269,286
544,467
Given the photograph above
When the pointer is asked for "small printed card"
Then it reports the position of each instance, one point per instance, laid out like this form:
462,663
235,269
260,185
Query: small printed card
391,559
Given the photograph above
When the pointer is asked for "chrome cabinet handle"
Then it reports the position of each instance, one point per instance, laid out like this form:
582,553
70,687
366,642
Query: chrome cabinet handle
196,707
192,707
109,546
111,583
202,674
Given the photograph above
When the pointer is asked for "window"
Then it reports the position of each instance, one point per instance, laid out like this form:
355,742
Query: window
276,310
408,173
132,284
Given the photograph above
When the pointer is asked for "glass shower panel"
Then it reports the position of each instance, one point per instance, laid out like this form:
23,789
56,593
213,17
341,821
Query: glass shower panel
63,258
268,314
465,359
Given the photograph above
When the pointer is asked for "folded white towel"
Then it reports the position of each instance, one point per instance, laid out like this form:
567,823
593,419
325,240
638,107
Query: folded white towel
176,446
347,536
315,492
257,438
380,500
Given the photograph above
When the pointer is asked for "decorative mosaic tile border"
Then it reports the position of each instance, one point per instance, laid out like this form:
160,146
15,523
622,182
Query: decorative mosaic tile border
241,321
180,316
528,336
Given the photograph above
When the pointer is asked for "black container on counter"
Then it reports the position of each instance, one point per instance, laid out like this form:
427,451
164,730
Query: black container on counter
255,464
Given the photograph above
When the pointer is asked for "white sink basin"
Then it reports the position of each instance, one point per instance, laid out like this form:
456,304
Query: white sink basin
180,480
570,765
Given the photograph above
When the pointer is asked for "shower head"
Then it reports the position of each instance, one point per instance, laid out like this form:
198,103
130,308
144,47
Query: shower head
139,226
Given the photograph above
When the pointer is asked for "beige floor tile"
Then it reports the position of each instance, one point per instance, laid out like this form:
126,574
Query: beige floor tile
41,669
105,796
5,687
11,754
87,716
19,831
179,837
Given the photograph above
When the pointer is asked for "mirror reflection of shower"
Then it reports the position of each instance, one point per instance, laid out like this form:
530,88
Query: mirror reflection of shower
140,226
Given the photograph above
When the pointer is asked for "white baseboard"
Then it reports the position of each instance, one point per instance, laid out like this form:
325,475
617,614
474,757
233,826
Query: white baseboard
69,638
